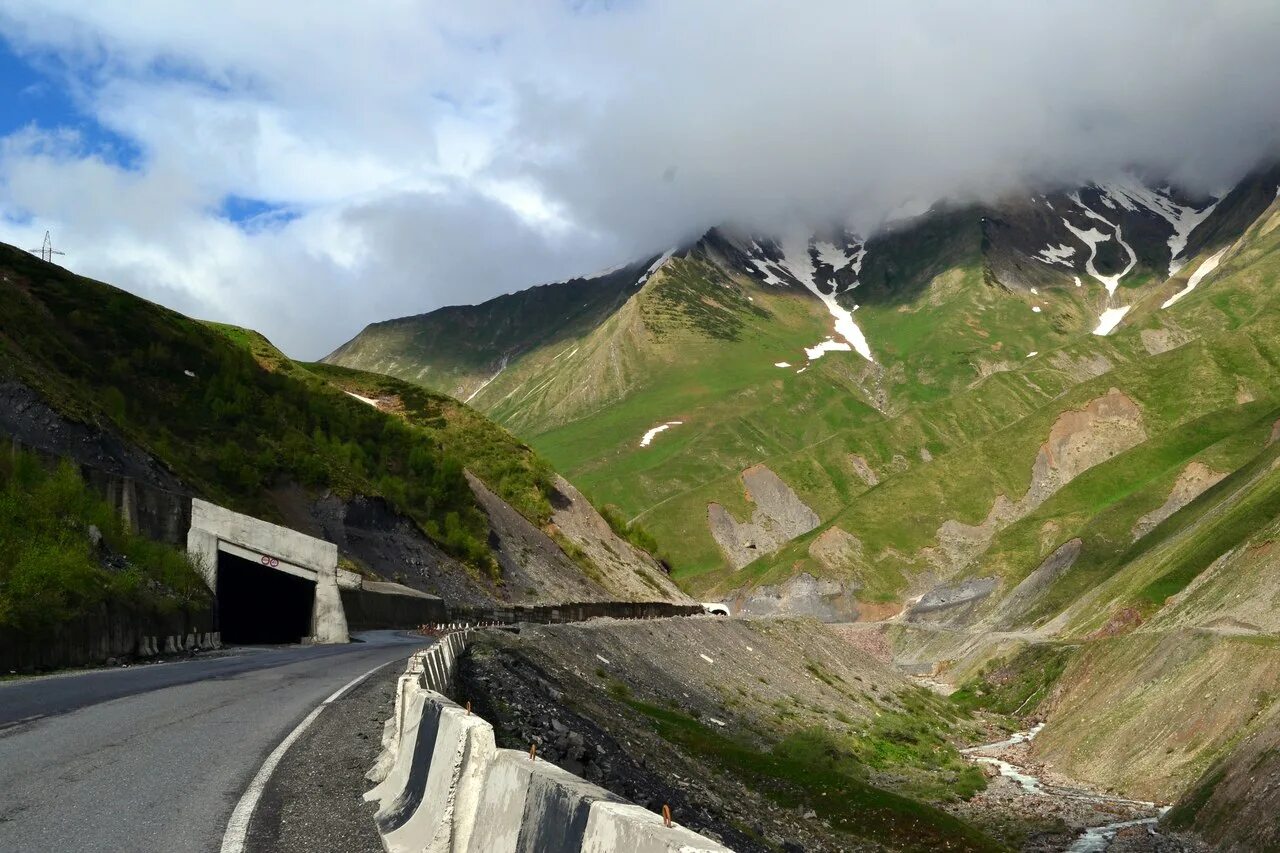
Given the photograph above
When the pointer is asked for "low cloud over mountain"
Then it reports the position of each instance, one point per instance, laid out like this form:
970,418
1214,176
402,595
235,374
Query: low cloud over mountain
326,167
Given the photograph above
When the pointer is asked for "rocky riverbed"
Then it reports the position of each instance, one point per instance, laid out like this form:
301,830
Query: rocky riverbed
1065,815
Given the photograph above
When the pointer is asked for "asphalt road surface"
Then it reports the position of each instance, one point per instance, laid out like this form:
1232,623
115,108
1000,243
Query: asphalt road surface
154,758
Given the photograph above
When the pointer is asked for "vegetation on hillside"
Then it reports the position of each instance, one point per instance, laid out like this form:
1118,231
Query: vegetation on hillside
206,407
972,368
505,464
814,770
1018,684
64,552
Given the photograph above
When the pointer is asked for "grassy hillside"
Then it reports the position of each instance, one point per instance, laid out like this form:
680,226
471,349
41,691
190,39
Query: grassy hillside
64,551
234,420
509,467
190,397
979,351
456,349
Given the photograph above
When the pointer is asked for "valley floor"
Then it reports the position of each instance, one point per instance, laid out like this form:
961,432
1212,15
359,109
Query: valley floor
1022,792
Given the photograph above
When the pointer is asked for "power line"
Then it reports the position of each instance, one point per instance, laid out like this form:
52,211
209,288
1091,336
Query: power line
46,250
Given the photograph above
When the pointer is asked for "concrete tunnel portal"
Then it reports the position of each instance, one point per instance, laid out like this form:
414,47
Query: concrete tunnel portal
275,585
271,584
258,604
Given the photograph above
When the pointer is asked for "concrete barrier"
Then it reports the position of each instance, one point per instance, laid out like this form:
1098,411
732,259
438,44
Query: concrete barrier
444,787
434,809
531,806
615,826
370,605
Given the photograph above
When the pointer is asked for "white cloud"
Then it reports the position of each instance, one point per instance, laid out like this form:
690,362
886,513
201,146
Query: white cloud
439,152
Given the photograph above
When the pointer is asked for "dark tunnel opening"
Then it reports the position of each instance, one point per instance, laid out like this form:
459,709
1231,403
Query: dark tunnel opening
257,604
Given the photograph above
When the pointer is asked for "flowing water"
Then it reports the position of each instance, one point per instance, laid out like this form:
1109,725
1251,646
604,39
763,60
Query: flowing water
1095,839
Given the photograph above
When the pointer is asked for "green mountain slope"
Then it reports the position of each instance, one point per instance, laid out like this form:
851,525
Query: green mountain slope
216,411
980,339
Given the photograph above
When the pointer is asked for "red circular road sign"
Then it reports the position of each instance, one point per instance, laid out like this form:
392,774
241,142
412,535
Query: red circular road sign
270,561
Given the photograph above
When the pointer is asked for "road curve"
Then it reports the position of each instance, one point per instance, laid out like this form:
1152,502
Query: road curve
154,758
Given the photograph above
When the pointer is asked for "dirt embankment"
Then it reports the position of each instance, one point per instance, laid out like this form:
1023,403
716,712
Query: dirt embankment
1144,714
1191,483
1237,800
594,564
627,572
690,711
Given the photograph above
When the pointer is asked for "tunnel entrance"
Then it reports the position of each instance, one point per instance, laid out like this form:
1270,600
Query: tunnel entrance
257,604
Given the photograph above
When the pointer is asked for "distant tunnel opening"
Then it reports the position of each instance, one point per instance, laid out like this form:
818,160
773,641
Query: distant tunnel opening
257,604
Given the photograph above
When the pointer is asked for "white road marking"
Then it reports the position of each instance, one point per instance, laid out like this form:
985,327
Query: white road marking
238,826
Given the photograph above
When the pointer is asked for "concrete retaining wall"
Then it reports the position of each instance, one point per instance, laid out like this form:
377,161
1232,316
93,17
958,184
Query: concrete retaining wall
110,631
444,787
386,605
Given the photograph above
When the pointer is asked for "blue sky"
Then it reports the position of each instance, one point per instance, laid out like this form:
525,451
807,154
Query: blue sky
41,96
34,96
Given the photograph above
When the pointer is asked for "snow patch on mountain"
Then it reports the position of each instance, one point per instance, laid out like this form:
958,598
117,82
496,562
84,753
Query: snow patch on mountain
781,364
800,263
565,350
653,267
797,262
648,436
1210,264
1110,319
1133,195
837,258
373,403
1059,254
829,345
1093,238
501,367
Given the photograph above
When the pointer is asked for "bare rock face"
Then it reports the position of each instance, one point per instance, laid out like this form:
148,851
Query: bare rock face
839,551
1078,440
958,543
534,569
1157,341
1020,599
1081,368
1083,438
802,595
863,469
1191,483
628,572
779,517
952,602
384,541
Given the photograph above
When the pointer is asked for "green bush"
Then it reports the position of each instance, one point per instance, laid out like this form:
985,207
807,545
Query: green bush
50,571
